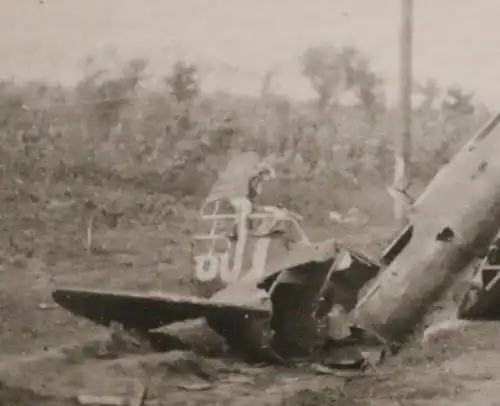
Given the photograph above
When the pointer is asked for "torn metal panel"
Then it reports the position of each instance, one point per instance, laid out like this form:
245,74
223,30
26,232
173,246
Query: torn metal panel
307,290
343,287
397,245
305,256
298,256
482,301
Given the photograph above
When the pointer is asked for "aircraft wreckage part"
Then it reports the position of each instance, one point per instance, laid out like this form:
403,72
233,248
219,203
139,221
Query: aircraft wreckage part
146,311
295,328
483,303
319,252
297,266
297,278
280,314
249,335
301,276
404,236
247,332
397,245
453,223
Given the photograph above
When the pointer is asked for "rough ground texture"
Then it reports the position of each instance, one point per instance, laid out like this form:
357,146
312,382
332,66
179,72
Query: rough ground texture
141,240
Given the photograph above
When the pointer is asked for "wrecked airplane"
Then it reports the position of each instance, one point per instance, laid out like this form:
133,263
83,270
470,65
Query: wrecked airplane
272,309
289,306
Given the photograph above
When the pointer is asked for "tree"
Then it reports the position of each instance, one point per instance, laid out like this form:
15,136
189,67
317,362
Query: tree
324,67
457,101
106,97
183,83
456,111
332,72
362,79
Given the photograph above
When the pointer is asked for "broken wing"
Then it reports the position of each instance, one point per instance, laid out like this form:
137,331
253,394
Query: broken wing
146,310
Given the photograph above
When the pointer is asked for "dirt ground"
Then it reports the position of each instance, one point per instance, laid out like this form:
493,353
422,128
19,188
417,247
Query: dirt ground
141,241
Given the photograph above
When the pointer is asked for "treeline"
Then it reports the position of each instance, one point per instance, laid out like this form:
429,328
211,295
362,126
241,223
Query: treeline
110,123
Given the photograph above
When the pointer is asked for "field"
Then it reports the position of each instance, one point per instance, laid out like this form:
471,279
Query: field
139,163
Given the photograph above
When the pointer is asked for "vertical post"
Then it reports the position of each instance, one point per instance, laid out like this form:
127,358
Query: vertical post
402,178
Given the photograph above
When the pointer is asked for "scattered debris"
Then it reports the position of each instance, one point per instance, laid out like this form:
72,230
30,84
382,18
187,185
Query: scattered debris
353,216
195,386
240,379
322,369
47,306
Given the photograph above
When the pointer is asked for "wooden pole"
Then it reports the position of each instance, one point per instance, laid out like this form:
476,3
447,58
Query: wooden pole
402,176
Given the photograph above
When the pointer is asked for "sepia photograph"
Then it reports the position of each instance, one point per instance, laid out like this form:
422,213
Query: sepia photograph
249,202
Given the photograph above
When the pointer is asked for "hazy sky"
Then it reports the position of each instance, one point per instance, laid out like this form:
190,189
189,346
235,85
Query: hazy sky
237,41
